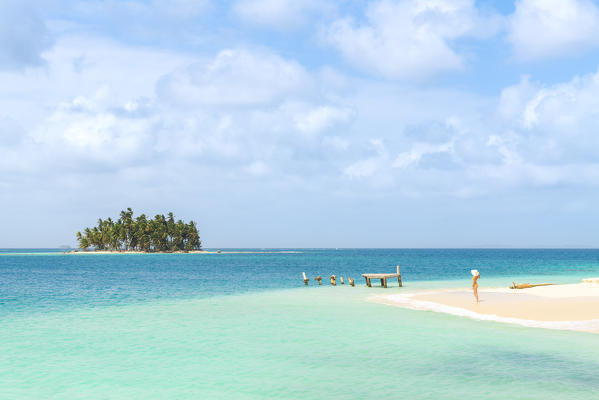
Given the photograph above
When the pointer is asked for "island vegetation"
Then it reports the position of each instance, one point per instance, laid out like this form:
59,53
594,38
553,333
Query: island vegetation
160,234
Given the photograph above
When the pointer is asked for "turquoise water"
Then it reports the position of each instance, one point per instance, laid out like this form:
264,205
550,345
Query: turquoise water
242,326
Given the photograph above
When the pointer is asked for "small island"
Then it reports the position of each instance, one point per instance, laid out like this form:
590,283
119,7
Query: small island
128,234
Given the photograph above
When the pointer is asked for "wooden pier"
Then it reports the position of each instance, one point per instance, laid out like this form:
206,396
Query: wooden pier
383,278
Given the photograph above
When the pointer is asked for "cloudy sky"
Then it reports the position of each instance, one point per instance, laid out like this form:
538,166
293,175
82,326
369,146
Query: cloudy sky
303,123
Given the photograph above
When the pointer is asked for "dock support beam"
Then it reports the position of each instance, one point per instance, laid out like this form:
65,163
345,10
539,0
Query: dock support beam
399,277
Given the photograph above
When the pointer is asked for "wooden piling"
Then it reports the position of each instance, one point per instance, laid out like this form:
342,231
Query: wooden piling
318,279
351,281
332,278
305,278
341,280
399,277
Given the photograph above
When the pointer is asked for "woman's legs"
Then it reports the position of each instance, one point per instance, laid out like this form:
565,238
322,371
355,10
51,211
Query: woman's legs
475,290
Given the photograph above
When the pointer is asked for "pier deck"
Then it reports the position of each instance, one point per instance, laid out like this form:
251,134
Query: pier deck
383,278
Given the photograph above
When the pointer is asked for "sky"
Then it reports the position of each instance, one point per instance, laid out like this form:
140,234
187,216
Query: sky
303,123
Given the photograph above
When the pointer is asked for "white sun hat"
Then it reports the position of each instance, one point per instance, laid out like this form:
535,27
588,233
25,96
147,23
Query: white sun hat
474,272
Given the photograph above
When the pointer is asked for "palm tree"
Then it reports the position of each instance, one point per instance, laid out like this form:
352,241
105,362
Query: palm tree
141,233
170,229
126,218
193,240
115,236
179,236
83,241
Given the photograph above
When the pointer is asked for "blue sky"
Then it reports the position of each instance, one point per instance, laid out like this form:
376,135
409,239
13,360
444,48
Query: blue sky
280,123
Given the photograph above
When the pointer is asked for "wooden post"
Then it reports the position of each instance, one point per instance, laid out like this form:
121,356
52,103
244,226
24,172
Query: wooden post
399,277
382,282
368,283
385,282
319,279
351,281
305,278
341,280
332,278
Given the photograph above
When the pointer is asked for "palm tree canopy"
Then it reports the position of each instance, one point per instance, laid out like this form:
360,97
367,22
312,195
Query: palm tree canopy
140,234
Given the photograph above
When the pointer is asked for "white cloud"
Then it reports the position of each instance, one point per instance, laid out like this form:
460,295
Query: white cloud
245,114
533,136
104,123
92,129
129,73
555,124
279,14
362,168
408,38
23,35
252,118
416,153
375,167
553,28
235,78
514,98
336,143
321,118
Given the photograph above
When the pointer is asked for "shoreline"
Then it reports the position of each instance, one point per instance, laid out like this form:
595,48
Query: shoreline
105,252
562,307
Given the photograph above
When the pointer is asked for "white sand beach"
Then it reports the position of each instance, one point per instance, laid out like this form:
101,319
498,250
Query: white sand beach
567,306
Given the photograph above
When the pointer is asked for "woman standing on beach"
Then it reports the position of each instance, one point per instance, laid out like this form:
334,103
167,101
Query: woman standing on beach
475,276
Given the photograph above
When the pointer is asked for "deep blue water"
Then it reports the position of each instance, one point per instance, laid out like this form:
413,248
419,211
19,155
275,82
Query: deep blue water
39,281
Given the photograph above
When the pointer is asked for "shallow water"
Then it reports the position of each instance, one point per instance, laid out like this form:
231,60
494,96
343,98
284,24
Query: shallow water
155,327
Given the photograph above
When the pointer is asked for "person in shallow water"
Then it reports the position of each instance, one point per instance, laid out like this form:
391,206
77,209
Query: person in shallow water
475,276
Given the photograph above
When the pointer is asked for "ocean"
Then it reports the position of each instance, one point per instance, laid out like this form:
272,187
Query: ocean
244,326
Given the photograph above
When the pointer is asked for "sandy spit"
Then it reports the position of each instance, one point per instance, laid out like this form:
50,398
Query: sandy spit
569,306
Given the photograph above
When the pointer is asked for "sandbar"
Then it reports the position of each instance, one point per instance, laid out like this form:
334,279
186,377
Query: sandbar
567,306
